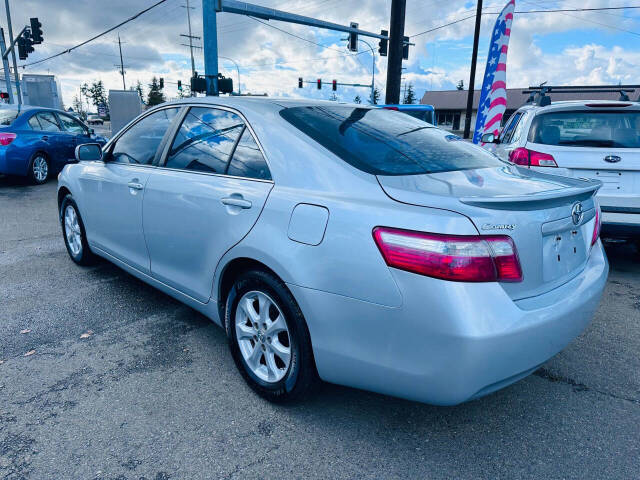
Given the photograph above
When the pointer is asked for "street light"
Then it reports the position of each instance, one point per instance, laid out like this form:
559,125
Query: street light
373,66
237,69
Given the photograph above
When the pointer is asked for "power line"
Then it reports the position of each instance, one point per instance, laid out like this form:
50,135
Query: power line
68,50
294,35
557,10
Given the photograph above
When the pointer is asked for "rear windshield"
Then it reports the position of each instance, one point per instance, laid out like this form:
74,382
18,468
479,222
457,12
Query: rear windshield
7,116
424,115
587,129
386,142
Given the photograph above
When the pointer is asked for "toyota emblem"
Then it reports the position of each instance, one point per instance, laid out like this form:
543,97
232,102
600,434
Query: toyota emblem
612,158
577,213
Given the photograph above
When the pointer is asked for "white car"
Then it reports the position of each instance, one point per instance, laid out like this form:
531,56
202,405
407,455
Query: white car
587,139
95,120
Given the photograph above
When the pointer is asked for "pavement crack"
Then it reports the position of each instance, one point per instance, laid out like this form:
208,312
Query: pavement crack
578,386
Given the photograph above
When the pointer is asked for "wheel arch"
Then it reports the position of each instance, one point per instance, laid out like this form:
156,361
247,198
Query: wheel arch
62,192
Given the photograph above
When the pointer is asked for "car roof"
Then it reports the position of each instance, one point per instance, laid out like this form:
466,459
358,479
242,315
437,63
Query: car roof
587,105
405,106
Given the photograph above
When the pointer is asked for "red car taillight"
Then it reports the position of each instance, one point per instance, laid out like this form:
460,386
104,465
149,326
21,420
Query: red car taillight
462,258
7,138
596,227
530,158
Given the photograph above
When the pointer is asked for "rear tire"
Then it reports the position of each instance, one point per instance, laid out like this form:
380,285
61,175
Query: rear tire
39,169
74,234
276,361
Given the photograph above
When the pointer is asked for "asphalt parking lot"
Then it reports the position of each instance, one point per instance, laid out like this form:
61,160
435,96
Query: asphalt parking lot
112,379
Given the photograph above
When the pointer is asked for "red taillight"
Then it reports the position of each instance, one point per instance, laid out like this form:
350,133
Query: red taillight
7,138
596,227
530,158
462,258
390,108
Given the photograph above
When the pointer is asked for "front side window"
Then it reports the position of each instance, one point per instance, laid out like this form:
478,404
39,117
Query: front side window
139,144
582,128
72,125
385,142
48,122
247,160
205,140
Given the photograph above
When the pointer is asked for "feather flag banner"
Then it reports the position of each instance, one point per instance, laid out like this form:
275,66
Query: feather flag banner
493,97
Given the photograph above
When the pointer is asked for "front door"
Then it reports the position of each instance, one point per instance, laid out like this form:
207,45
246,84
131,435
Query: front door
204,200
74,133
114,189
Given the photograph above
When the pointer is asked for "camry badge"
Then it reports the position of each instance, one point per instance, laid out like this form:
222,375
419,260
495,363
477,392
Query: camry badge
504,226
577,213
612,158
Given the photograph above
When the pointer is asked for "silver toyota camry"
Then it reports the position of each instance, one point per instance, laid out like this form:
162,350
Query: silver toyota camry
343,243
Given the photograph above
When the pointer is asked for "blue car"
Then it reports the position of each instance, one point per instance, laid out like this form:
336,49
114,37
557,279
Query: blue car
36,142
426,113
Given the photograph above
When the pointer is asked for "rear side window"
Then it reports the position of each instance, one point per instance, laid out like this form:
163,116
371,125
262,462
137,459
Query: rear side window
205,140
247,160
139,144
604,129
386,142
507,133
48,122
34,124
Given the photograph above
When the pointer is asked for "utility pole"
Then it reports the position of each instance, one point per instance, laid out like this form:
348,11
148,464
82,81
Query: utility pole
124,86
13,52
210,44
190,36
5,63
472,75
396,44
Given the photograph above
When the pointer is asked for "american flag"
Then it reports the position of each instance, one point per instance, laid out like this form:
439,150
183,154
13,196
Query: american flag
493,97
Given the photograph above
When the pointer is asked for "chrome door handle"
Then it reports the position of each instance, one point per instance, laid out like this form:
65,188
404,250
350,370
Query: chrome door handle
236,202
135,185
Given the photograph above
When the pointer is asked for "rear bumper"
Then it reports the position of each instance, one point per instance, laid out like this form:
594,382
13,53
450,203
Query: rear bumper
448,342
10,164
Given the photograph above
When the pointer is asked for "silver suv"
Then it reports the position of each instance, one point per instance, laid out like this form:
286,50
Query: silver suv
589,139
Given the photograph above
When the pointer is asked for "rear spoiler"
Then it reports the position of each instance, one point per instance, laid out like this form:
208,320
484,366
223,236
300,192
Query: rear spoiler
502,201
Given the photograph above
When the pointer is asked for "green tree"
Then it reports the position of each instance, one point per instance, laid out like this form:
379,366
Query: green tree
77,104
155,95
140,91
376,96
357,99
410,95
95,92
460,85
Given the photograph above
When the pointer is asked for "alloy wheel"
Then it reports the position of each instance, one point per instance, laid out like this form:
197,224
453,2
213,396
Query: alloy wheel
263,336
40,169
72,230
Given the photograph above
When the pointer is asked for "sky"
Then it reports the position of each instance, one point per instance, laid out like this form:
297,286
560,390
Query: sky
576,48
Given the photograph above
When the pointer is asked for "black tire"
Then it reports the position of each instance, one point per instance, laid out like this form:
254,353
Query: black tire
301,378
85,256
35,167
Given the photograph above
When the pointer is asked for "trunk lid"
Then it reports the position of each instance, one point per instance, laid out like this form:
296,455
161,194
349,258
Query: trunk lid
534,209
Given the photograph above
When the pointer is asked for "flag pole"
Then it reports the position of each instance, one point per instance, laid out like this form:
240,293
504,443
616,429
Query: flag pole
472,75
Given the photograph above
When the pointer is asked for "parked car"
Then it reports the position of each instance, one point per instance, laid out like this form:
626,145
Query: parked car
354,244
426,113
95,120
589,139
36,142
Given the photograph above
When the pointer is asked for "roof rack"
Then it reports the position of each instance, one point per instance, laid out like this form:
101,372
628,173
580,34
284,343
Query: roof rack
538,95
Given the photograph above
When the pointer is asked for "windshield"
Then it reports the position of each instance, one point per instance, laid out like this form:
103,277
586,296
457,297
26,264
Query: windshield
7,116
386,142
587,129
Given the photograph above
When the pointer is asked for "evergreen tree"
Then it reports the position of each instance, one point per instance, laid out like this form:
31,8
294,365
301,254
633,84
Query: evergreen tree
460,85
156,95
95,92
376,96
357,99
140,91
410,95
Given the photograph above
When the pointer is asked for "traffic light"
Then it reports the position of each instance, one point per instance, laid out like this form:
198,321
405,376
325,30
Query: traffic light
225,85
25,46
334,85
4,96
36,31
319,84
405,48
198,84
353,38
383,44
161,83
179,85
299,82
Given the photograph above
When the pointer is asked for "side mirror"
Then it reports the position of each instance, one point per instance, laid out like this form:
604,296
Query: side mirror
89,152
489,138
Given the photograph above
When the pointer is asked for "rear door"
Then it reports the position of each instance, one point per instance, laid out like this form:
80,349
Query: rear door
50,134
204,199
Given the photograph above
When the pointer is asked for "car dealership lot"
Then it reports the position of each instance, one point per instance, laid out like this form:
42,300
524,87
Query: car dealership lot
152,392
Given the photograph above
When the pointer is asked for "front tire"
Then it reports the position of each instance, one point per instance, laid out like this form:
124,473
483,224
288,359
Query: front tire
39,169
74,234
269,339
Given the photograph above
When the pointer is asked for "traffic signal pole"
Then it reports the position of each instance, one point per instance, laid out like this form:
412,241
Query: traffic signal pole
5,63
210,45
13,52
396,45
